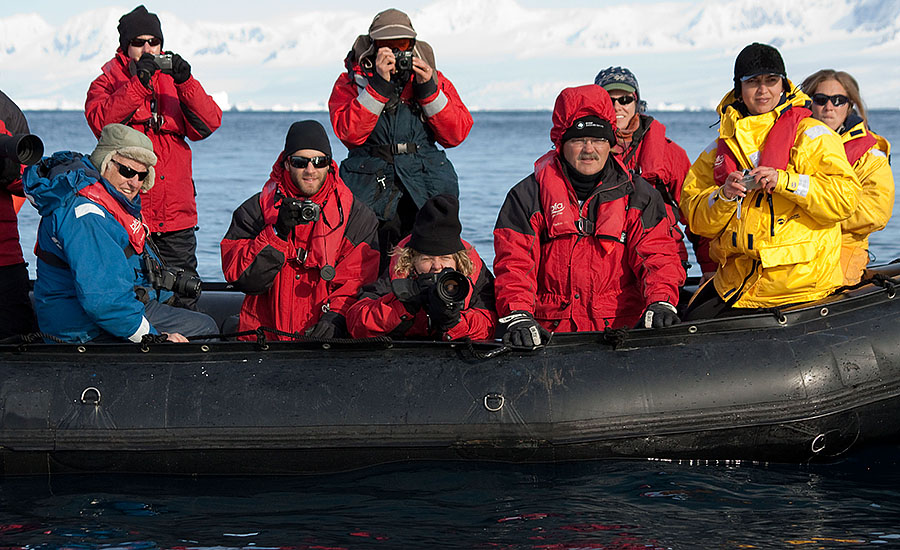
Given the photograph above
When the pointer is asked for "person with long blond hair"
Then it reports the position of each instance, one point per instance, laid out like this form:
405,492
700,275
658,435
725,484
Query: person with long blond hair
836,101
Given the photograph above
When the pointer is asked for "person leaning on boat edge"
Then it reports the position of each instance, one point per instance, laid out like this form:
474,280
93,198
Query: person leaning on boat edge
644,148
836,101
92,247
581,244
168,105
389,108
770,192
16,313
301,248
406,302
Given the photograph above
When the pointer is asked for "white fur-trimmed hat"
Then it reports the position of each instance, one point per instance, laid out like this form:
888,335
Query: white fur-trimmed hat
126,142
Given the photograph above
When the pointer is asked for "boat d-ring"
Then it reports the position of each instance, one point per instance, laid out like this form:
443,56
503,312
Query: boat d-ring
818,444
494,401
87,398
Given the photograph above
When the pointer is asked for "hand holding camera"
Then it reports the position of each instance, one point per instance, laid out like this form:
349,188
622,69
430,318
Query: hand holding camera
167,63
293,212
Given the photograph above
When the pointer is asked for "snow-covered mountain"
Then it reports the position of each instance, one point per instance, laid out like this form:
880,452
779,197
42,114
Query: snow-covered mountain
498,53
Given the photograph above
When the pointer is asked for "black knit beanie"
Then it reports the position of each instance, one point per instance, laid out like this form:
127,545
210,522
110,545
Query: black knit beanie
757,59
437,228
306,134
590,126
137,22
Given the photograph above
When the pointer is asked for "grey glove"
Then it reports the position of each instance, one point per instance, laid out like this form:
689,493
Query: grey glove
659,315
520,330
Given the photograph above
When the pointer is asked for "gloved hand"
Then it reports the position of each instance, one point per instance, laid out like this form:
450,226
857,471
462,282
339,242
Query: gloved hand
520,330
10,170
181,69
331,325
146,67
658,315
409,293
443,318
288,218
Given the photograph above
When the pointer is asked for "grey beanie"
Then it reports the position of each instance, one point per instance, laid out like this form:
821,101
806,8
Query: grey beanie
128,143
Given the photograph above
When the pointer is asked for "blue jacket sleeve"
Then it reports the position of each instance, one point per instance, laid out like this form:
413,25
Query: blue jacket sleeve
94,245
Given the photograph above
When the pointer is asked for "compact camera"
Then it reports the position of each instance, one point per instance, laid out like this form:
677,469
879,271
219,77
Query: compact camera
403,60
305,210
163,62
450,285
176,280
749,181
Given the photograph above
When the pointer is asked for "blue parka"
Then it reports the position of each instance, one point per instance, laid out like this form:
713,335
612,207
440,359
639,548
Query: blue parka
86,283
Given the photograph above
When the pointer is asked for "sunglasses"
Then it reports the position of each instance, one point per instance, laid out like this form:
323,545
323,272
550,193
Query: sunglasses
129,173
401,44
837,100
623,100
300,163
139,42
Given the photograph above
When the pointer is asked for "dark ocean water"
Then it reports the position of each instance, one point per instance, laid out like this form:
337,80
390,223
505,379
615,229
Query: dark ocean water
610,505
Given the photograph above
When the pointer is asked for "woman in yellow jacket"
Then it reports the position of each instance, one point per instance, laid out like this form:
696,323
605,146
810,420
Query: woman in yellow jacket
770,193
836,102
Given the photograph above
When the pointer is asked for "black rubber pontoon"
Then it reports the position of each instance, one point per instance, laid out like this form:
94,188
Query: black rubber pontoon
804,384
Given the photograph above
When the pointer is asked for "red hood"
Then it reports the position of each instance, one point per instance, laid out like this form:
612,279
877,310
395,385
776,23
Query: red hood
574,103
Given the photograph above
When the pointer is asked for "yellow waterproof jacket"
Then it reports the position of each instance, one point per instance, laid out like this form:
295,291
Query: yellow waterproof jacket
876,203
781,248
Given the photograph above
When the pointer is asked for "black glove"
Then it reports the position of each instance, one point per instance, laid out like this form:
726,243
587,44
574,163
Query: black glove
146,67
288,218
443,316
409,293
520,330
10,170
181,69
331,325
658,315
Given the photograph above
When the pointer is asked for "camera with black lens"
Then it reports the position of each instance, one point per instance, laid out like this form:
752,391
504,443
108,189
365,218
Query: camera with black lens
305,210
175,280
451,286
21,148
403,60
163,62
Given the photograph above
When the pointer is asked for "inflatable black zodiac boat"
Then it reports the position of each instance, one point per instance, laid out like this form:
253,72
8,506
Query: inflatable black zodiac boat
801,384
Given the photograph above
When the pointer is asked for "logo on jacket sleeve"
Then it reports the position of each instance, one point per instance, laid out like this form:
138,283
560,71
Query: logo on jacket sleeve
557,208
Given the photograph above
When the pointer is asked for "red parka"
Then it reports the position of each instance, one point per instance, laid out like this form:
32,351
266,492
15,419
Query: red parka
321,267
663,163
10,250
379,312
182,111
355,105
583,267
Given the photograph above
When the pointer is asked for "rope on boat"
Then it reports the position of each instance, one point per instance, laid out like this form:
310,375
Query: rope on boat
31,338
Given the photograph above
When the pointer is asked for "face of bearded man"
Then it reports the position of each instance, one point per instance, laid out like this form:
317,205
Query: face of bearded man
587,155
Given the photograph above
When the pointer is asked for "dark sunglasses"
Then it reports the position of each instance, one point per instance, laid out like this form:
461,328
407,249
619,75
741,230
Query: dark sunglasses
139,42
129,173
623,100
300,163
837,100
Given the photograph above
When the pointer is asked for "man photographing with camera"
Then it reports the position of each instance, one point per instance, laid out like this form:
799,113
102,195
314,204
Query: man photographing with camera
98,278
302,247
153,91
389,108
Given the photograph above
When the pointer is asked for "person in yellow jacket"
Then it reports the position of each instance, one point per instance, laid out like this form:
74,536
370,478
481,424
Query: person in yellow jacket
836,102
770,193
